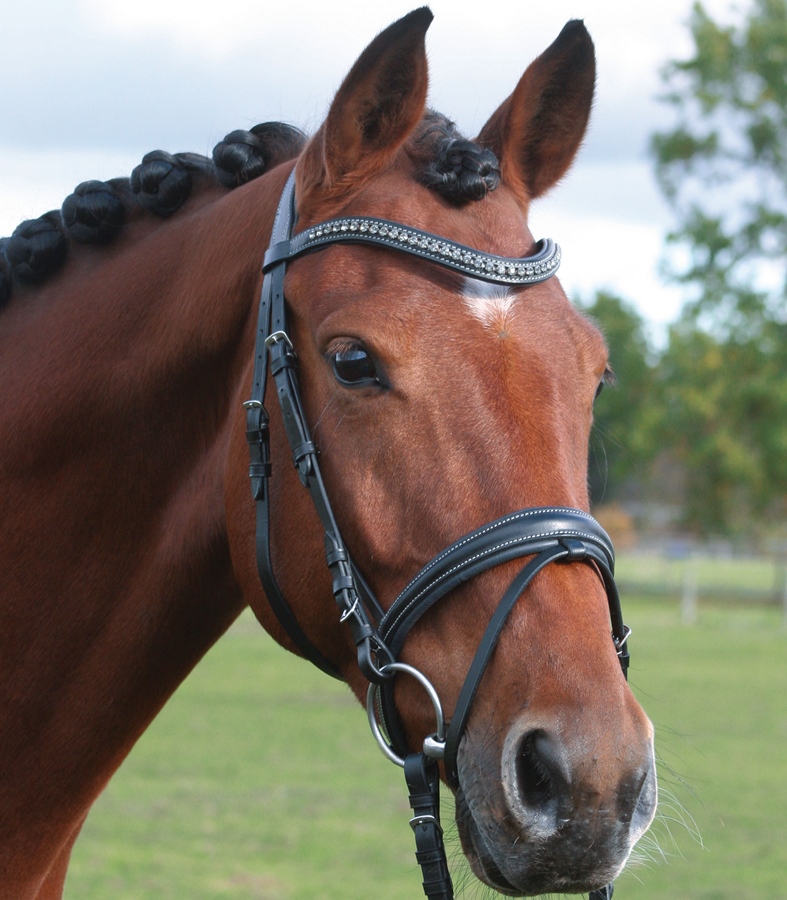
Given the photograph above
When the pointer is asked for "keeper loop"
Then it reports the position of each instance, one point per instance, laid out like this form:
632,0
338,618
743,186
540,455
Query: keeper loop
576,549
343,583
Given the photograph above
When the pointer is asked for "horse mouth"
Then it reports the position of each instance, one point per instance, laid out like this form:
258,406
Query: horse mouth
476,852
533,871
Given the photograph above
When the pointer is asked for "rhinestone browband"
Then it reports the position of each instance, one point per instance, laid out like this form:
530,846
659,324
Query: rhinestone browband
499,269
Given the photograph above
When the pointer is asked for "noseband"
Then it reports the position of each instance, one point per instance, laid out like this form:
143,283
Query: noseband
546,535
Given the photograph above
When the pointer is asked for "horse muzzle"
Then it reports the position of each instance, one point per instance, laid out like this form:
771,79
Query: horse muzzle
551,813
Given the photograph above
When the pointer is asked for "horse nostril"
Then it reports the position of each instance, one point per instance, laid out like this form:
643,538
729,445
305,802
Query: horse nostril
645,807
541,780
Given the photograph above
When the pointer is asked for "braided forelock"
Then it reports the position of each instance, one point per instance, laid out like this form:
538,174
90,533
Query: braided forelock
450,164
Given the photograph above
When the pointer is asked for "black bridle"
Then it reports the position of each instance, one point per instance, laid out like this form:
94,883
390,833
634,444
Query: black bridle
546,535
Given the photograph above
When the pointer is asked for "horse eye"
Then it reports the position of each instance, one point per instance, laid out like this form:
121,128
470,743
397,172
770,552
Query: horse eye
607,378
353,366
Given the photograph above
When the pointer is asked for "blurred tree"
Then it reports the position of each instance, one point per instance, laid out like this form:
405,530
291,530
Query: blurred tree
724,170
725,417
622,443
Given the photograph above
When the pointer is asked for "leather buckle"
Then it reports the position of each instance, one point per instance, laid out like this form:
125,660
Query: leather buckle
423,821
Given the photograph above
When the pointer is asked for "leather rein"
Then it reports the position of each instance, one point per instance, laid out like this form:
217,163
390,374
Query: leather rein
547,535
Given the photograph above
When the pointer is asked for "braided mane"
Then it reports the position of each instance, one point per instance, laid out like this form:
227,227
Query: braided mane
96,211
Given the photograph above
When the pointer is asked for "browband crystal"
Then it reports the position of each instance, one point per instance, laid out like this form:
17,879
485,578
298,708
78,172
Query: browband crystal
363,229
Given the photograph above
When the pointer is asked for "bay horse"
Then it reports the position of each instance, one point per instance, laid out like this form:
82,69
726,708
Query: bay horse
443,399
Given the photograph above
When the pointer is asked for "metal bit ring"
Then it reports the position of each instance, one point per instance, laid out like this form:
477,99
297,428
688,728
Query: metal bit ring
434,745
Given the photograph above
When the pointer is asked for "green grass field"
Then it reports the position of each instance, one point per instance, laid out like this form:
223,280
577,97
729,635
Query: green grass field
260,779
736,579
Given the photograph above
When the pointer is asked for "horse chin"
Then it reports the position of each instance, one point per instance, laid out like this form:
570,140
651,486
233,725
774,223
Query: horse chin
517,866
480,859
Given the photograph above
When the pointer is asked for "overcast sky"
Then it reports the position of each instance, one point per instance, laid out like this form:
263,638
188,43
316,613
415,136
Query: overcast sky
88,86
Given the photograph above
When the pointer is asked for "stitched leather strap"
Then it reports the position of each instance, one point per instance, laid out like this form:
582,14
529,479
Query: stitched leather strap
380,232
548,534
258,439
423,784
522,533
274,351
483,654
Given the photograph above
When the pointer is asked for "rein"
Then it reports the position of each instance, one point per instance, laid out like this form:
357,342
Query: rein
547,535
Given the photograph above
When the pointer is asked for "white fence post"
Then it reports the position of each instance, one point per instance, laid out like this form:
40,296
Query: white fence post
689,601
784,604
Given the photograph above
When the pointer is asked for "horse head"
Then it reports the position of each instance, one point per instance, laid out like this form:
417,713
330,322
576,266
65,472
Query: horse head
440,401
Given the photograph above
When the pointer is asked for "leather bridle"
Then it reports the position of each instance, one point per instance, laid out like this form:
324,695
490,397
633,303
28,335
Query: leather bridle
545,535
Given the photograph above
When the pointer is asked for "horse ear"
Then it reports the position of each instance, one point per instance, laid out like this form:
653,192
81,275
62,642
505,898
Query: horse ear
537,131
377,106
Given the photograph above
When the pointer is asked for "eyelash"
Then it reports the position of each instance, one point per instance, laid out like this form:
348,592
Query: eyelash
607,378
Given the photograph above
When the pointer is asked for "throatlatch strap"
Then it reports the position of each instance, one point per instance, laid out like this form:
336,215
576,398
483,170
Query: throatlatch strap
423,784
277,601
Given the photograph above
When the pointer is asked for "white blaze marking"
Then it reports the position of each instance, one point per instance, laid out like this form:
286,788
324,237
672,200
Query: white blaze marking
489,303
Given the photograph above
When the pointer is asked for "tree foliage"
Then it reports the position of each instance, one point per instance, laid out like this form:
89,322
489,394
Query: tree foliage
724,168
702,423
722,380
725,409
625,413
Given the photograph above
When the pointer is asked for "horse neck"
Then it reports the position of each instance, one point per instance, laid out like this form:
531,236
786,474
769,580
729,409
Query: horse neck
120,382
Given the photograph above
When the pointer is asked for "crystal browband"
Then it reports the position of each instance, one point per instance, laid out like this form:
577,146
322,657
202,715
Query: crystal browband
499,269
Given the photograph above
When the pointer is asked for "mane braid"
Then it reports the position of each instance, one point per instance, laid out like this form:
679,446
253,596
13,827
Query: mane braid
36,248
5,275
456,168
244,155
96,211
